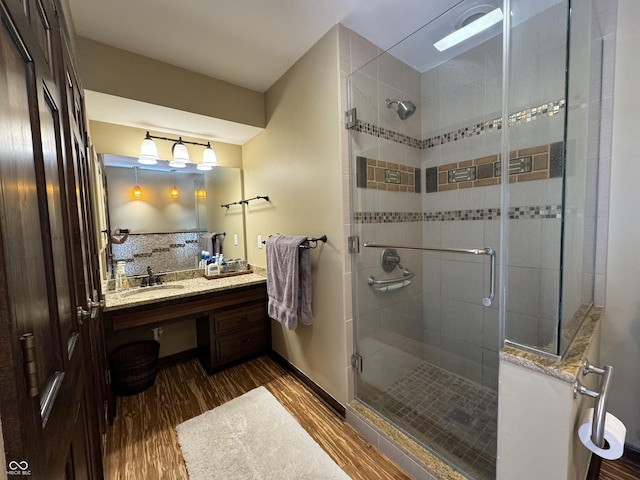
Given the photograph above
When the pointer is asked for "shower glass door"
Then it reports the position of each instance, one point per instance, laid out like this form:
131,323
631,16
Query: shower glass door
425,197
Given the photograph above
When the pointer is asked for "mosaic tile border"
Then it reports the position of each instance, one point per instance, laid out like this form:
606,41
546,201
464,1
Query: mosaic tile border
518,118
375,131
389,176
533,163
515,213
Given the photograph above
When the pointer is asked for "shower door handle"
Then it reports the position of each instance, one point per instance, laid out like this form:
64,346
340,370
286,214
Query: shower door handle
486,301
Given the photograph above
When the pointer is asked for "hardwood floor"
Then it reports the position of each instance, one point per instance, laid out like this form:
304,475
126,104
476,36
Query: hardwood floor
142,442
619,470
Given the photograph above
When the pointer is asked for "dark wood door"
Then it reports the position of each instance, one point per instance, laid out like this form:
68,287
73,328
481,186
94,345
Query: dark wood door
46,424
85,262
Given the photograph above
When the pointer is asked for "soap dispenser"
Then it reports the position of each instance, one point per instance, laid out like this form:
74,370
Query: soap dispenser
122,283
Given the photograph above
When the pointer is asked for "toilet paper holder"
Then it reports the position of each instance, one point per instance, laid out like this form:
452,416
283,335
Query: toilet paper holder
600,409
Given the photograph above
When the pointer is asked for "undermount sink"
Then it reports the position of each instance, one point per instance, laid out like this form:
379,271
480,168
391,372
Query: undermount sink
143,290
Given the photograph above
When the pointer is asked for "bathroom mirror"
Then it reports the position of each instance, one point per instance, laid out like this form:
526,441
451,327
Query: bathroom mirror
168,211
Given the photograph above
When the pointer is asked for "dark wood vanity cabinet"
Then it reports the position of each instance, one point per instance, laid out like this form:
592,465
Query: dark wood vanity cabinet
231,324
232,333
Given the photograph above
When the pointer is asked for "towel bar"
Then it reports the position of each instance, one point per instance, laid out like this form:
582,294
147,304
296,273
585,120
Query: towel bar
246,200
313,240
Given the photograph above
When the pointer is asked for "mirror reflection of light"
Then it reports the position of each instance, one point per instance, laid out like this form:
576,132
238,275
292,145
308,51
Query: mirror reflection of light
137,191
174,193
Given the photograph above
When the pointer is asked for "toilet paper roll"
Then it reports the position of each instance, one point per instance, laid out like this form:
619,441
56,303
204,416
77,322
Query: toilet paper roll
614,433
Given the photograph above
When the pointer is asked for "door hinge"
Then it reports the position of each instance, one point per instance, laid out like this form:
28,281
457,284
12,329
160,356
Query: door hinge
350,118
356,362
353,244
28,344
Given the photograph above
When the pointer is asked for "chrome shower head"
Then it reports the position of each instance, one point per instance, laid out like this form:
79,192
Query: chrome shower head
405,109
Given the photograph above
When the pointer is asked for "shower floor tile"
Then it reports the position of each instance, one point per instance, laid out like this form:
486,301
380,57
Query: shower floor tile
454,417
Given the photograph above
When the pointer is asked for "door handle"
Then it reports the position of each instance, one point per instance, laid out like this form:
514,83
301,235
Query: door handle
81,314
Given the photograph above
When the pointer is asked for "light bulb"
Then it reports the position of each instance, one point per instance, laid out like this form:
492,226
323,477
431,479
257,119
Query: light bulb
137,191
174,192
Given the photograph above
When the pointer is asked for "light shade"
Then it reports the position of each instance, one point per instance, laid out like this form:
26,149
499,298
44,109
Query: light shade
174,192
209,156
180,153
468,31
177,164
148,152
204,166
137,191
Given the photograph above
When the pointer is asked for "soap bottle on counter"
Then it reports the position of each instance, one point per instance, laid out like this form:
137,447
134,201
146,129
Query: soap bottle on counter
213,269
122,283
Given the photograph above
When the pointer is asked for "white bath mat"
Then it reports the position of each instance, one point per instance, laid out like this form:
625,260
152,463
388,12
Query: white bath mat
252,437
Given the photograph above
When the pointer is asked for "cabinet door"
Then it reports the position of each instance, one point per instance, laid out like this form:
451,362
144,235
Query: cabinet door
239,318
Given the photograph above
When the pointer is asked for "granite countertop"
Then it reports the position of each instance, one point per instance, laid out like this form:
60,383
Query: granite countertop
177,289
568,369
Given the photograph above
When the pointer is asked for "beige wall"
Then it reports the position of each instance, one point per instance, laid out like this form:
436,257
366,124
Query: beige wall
296,161
106,69
224,185
621,327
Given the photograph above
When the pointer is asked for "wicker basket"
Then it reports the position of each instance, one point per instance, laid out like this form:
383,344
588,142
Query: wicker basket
134,367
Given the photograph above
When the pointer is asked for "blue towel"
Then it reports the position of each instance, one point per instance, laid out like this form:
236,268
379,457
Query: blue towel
289,281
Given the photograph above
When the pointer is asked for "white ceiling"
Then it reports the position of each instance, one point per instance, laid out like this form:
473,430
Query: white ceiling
250,43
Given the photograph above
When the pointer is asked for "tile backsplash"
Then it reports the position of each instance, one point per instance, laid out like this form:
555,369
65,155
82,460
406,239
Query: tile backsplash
163,252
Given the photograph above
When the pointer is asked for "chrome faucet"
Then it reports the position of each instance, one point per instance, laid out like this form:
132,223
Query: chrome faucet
152,277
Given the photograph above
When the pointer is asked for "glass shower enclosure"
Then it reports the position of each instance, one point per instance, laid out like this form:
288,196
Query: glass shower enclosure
464,193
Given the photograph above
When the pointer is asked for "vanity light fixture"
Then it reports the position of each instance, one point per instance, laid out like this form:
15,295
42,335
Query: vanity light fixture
470,29
137,191
149,152
209,159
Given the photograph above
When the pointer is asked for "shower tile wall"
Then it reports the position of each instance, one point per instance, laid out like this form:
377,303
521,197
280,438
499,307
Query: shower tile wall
468,91
457,332
390,324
